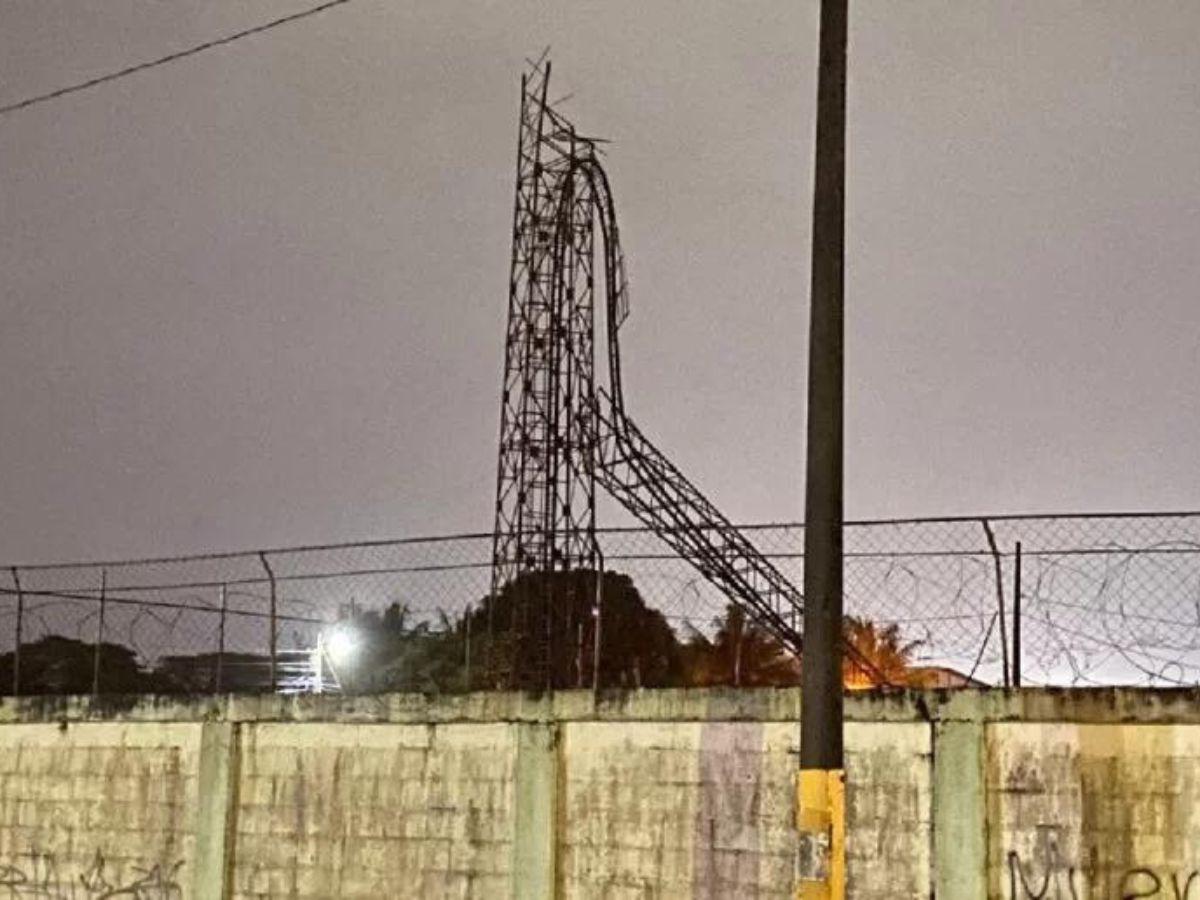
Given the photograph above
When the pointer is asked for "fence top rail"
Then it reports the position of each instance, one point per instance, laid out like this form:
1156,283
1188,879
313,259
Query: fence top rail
249,555
255,554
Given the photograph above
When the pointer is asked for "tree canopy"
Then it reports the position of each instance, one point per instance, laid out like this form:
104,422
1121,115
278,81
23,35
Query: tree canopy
540,631
550,616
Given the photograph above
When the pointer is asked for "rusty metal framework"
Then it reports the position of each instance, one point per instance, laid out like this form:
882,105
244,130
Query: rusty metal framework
561,433
546,491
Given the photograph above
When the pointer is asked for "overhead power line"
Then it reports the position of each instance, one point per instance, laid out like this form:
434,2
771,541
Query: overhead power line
169,58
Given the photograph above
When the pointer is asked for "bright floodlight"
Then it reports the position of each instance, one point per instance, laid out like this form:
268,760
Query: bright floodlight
342,646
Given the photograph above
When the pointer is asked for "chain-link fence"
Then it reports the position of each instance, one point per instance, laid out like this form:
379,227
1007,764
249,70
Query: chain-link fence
1102,599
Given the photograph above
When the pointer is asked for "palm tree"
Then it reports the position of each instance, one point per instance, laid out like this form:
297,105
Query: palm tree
741,653
888,659
744,654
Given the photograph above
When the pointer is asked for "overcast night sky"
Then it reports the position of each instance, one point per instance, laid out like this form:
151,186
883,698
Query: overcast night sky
257,297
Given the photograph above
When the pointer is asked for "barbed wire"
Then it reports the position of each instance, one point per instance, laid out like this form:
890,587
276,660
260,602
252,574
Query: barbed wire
1104,599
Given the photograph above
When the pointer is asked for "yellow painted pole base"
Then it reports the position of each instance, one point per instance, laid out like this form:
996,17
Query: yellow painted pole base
821,821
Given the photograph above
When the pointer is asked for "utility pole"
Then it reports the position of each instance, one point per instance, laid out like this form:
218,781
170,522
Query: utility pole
821,813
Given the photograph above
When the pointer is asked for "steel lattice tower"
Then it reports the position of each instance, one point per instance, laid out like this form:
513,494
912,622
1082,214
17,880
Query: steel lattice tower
561,434
545,487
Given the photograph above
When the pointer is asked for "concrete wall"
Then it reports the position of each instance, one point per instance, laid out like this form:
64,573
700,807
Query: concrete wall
329,810
96,806
706,810
671,794
1093,810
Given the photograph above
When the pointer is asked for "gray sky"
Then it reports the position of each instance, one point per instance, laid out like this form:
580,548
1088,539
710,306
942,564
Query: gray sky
257,297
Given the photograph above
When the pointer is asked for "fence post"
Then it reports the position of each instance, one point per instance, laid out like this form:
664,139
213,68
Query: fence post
20,622
467,650
598,619
99,633
271,578
1000,611
1016,661
220,674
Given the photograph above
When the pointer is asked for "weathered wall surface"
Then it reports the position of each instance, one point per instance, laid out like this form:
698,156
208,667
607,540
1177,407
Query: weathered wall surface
1094,811
326,810
706,810
888,810
671,794
92,809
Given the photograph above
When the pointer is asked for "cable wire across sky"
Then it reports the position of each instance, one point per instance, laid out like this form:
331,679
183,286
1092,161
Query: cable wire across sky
169,58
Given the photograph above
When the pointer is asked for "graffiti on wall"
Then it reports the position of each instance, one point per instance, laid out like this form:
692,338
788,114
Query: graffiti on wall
39,874
1047,873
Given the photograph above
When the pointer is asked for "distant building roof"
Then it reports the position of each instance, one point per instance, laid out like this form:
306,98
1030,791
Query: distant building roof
940,677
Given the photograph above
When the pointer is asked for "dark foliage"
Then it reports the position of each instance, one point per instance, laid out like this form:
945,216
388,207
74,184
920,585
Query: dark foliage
539,632
740,654
546,621
60,665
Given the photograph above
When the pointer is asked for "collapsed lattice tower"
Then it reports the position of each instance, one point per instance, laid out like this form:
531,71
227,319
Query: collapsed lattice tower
561,433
